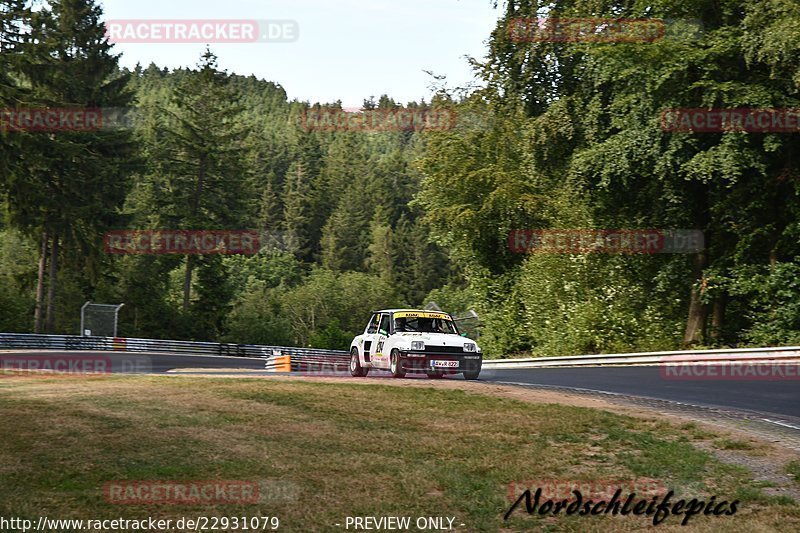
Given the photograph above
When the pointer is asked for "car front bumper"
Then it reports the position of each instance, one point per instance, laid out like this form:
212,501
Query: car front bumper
414,361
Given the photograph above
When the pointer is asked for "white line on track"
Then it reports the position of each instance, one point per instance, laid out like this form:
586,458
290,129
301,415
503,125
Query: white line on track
784,424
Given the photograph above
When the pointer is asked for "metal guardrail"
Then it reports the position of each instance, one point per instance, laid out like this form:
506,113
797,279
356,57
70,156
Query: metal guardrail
784,353
278,358
286,358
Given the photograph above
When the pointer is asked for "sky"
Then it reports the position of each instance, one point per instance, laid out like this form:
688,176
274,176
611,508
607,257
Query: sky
345,50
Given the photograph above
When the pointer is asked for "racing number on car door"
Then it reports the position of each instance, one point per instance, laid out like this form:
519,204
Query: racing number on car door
370,337
380,358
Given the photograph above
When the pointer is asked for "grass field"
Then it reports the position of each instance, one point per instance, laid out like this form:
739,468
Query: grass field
344,450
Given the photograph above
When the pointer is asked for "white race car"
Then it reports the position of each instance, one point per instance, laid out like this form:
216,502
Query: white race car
412,340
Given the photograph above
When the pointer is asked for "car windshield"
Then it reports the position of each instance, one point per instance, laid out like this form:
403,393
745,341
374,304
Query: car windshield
425,325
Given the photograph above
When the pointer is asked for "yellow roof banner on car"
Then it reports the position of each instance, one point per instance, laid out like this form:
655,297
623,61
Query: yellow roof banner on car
421,314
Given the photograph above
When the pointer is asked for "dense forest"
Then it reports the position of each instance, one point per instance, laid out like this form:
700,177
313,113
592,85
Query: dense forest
554,134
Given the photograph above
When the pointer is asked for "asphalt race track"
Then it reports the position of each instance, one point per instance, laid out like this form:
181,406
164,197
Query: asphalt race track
777,397
780,398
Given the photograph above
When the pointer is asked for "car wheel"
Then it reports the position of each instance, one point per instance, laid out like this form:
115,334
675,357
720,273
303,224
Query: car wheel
471,375
356,370
396,365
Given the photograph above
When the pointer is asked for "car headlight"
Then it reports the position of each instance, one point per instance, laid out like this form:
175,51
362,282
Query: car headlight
417,345
469,346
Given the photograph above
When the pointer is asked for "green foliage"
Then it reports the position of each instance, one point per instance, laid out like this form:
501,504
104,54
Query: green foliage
313,205
570,137
298,212
773,293
273,267
559,135
16,310
593,304
325,311
348,297
143,284
331,337
258,317
17,277
64,188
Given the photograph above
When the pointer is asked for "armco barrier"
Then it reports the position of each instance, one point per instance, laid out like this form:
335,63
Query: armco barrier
285,358
278,358
781,353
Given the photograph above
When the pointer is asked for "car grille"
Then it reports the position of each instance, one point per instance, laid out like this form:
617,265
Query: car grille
444,349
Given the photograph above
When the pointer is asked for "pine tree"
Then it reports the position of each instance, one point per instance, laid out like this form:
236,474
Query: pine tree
199,176
270,215
298,211
67,186
346,236
14,20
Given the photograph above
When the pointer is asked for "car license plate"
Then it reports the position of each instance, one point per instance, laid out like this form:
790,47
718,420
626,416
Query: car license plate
444,364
